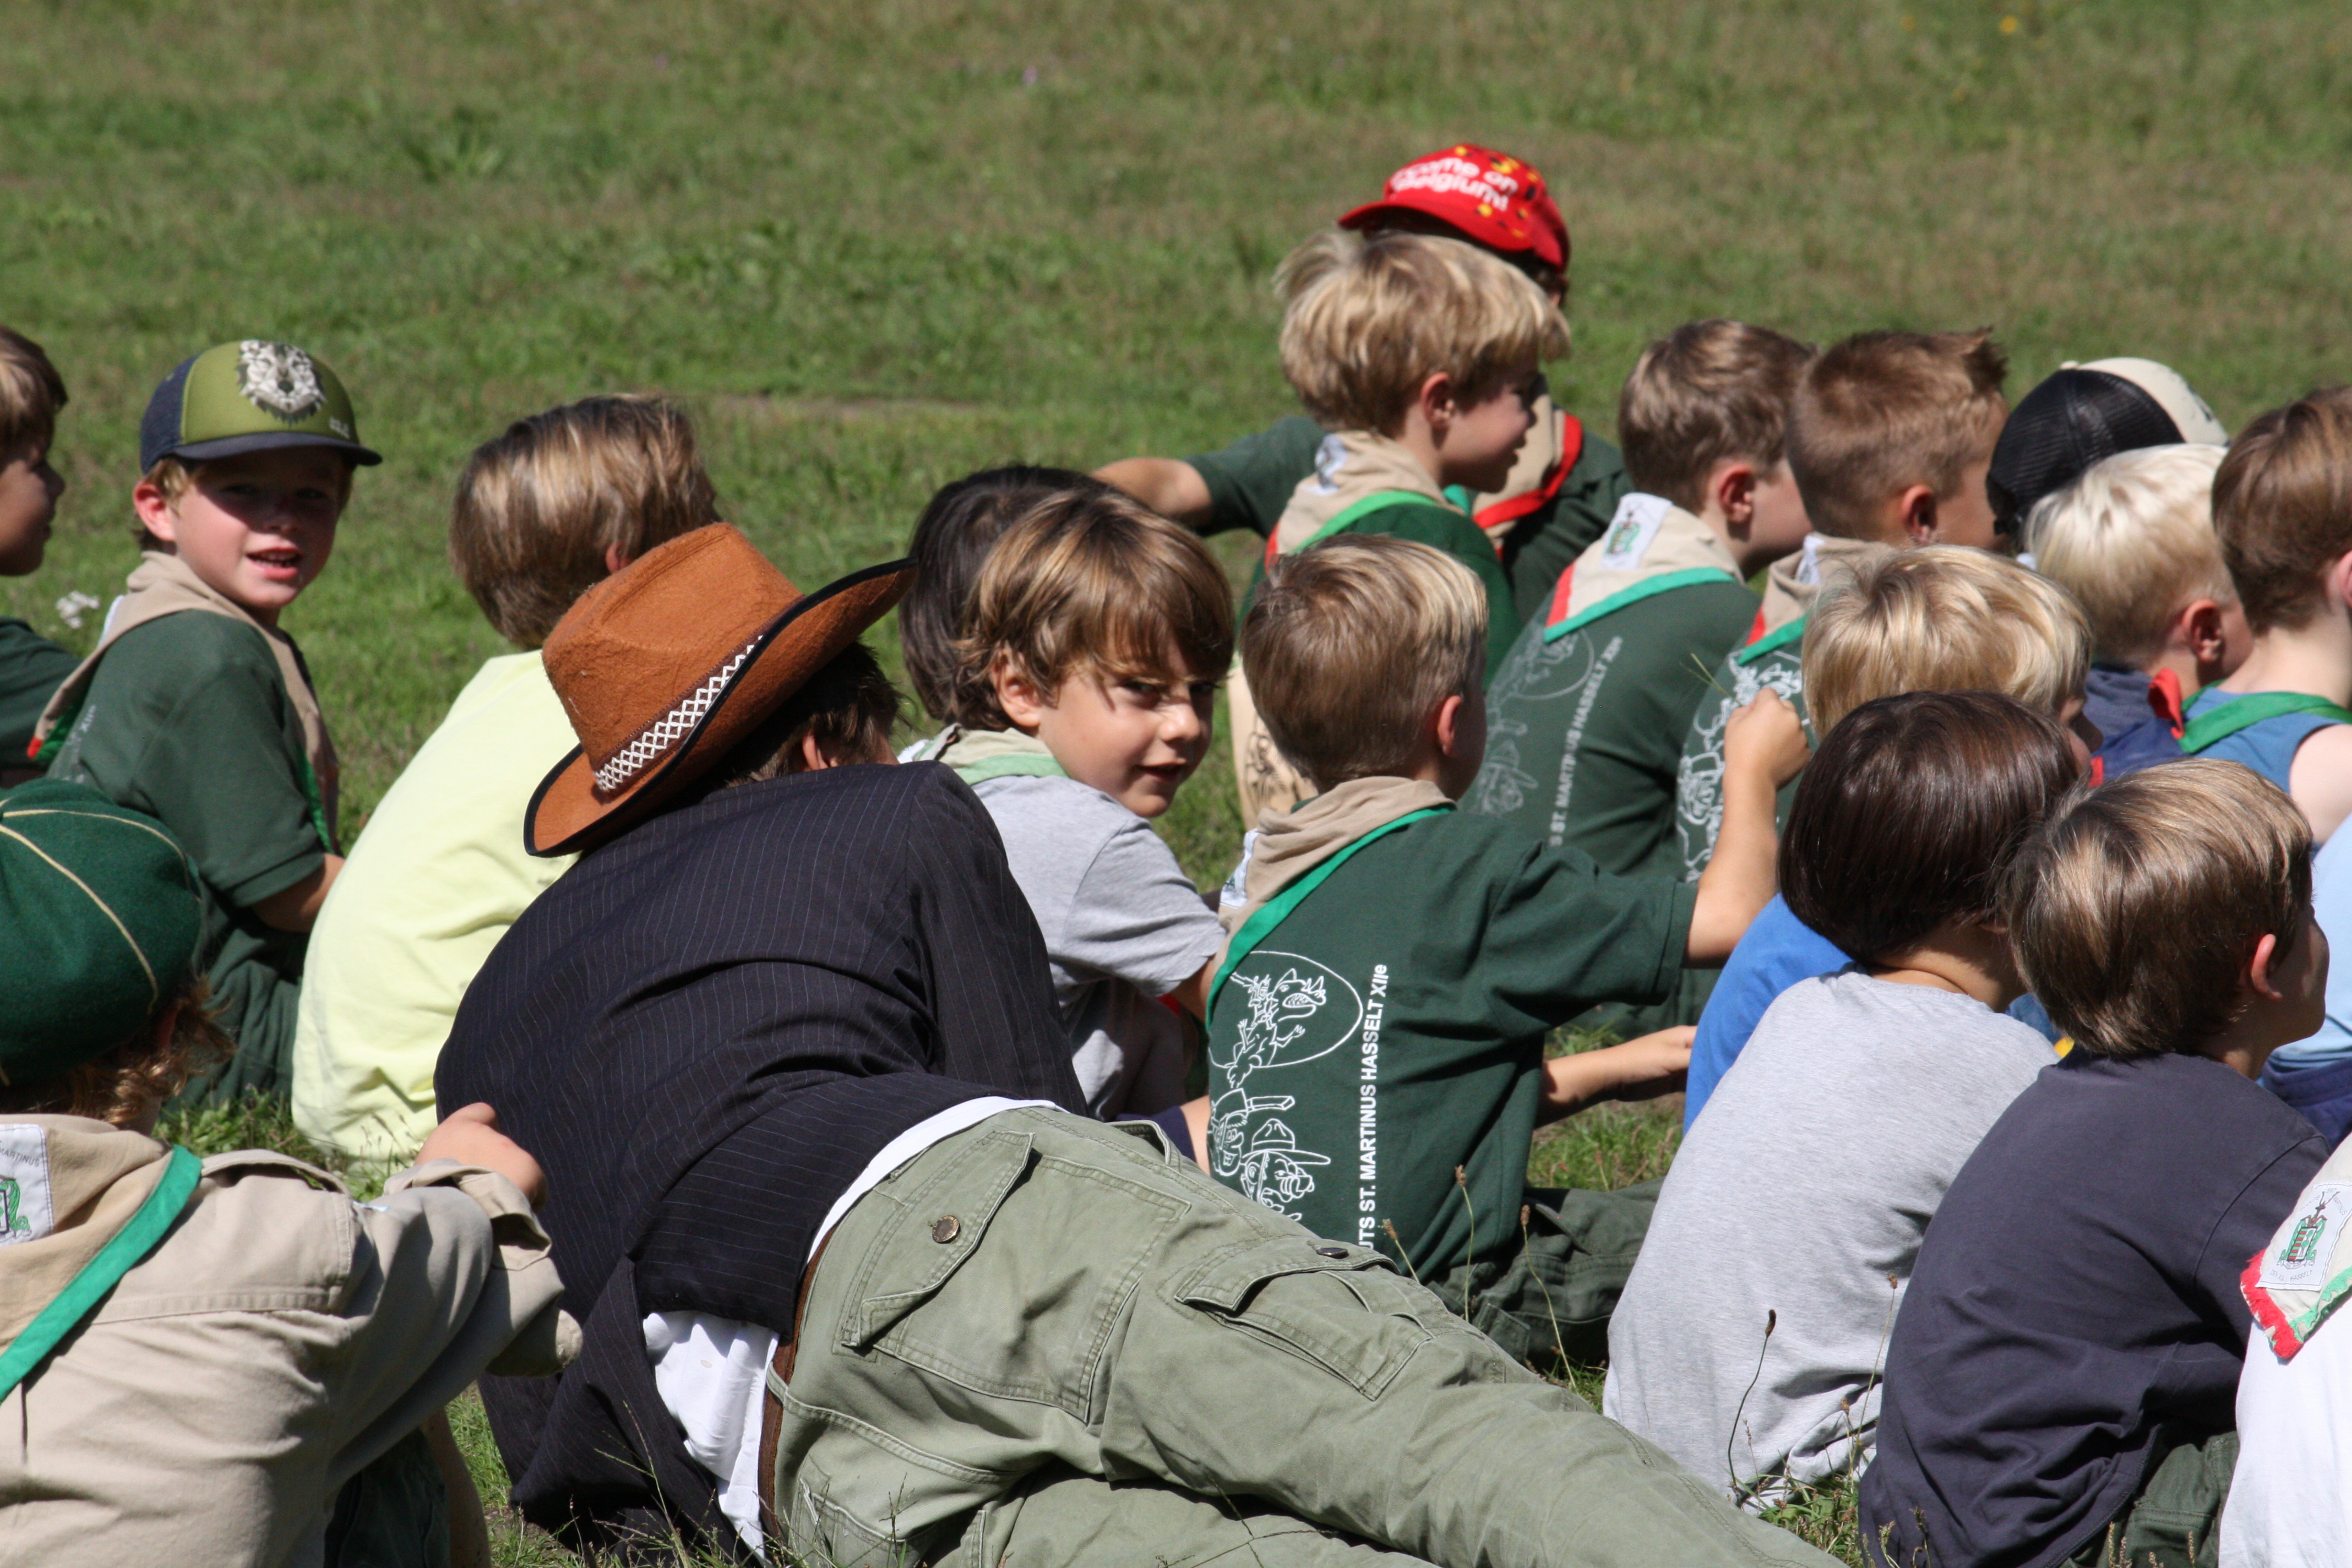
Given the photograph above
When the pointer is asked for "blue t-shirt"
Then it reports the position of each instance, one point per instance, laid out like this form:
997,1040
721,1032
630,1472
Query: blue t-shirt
2268,745
2331,902
1778,950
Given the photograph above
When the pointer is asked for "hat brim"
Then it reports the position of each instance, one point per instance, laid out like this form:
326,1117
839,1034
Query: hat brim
1370,212
270,441
567,815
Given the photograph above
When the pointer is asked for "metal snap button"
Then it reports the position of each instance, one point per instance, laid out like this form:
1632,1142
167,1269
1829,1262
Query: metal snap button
1330,1252
946,1228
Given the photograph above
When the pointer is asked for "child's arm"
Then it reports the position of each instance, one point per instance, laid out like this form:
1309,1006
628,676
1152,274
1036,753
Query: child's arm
297,908
1763,748
1169,486
2320,780
1641,1068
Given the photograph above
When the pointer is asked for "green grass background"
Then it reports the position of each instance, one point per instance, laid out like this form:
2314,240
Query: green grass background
876,245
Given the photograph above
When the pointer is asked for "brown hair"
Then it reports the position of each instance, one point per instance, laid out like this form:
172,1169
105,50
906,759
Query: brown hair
1944,618
1370,319
848,707
953,538
1909,813
2132,540
121,1086
1704,393
2282,506
1097,583
1351,645
539,508
1883,411
2133,911
31,392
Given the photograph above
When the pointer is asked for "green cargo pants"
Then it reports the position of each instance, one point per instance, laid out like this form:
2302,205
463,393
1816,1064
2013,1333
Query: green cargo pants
1045,1337
2175,1519
1551,1300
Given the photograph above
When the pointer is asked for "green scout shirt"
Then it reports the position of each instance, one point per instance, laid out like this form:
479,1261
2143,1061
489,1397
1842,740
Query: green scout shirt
1251,481
1443,527
1775,660
187,720
1391,1027
31,667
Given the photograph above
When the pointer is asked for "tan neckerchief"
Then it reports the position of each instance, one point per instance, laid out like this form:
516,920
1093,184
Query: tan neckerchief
1796,580
1649,537
78,1183
1351,467
1289,844
166,586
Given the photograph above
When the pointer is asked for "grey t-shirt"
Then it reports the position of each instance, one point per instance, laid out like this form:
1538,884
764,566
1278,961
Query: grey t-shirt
1802,1192
1123,927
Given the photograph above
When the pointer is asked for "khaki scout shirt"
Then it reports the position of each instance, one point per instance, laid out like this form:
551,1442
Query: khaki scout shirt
280,1337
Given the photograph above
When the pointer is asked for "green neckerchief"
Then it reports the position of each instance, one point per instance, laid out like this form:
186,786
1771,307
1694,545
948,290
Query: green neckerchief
2226,718
146,1229
1663,583
978,755
1771,641
1275,910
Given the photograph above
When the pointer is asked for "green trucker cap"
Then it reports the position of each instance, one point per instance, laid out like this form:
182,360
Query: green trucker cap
248,397
99,916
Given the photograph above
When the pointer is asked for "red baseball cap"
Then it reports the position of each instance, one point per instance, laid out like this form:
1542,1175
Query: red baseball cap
1492,197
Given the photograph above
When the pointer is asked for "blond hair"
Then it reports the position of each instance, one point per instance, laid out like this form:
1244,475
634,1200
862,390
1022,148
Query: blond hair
1350,647
2134,909
1707,393
2282,506
541,508
1090,583
31,392
1944,618
2132,540
1884,411
1369,321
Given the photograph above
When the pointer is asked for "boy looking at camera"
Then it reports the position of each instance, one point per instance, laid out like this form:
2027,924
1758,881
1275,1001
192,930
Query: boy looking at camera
1087,680
196,708
1889,437
1423,357
2060,1380
31,665
1376,1036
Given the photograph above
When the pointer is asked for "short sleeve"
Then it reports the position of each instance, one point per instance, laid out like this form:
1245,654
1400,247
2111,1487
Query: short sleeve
1250,481
214,763
1562,934
1137,917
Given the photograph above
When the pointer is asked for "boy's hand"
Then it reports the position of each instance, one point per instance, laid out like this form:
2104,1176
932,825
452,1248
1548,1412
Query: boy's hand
1641,1068
470,1136
1766,733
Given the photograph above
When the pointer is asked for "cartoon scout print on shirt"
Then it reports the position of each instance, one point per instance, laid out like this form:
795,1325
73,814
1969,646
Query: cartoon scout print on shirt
1298,1011
1698,786
1540,671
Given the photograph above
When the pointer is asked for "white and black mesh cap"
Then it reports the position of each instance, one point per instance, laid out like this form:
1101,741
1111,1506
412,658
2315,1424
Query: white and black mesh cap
2083,414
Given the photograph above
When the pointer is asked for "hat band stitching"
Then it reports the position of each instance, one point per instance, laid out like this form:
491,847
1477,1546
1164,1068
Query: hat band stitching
656,739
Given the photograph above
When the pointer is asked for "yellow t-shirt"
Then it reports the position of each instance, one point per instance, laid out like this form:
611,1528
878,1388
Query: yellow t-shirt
430,888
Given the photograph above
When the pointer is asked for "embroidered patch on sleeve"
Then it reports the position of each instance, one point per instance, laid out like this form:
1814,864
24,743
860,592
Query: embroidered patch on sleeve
2299,1257
26,1211
1631,530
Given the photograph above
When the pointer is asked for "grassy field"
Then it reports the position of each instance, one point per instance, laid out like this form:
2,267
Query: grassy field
876,245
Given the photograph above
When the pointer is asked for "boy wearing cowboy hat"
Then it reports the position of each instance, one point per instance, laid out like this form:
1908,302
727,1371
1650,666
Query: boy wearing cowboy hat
856,1278
198,1354
1566,483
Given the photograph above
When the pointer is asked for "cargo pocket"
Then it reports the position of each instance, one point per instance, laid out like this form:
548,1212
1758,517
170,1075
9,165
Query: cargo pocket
1344,1309
1033,1317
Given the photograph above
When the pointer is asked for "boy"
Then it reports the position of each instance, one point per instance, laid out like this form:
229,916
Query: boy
1087,682
1747,1342
1586,717
898,1314
1889,436
1421,356
2059,1380
1945,618
196,708
959,525
31,665
2282,506
1376,1066
201,1353
554,505
2132,541
1566,482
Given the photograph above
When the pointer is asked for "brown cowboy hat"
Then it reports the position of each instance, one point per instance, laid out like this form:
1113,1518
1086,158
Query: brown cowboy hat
667,663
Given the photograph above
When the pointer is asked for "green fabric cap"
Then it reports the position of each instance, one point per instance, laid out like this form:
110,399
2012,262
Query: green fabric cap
248,397
99,918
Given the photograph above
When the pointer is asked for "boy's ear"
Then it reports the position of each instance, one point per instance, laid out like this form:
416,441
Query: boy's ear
1017,695
1437,401
2258,967
1447,723
1732,488
1915,509
2195,628
2339,579
155,512
616,556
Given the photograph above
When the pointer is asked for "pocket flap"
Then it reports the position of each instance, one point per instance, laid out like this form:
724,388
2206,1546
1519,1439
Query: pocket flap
1227,1280
906,1265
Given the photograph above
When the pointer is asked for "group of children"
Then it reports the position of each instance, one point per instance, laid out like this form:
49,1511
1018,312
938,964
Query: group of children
2005,1182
